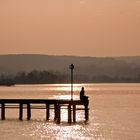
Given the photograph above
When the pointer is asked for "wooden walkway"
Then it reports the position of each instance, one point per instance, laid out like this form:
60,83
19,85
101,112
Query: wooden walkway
57,105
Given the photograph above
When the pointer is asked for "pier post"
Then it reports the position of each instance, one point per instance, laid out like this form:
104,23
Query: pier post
20,111
58,113
47,111
55,112
74,113
86,110
86,113
3,111
28,111
69,113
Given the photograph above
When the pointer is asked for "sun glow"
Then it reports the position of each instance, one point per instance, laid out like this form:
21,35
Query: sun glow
82,1
67,88
67,97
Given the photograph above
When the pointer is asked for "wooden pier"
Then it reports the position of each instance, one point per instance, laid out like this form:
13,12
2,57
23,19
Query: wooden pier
57,105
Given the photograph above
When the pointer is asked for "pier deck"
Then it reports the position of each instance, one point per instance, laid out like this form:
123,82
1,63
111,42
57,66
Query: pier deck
56,103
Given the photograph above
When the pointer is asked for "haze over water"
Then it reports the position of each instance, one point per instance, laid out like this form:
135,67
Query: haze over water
114,113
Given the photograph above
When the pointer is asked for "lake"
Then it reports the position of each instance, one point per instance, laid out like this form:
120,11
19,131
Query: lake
114,113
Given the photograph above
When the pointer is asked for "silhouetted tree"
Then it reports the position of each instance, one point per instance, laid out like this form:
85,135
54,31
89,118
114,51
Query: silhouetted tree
21,77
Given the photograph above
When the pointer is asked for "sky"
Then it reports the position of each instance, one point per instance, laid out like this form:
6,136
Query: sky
70,27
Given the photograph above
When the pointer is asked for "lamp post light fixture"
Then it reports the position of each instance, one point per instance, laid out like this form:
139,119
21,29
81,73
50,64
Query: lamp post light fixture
71,68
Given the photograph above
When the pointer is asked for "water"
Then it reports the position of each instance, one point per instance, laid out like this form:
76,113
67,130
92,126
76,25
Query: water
114,113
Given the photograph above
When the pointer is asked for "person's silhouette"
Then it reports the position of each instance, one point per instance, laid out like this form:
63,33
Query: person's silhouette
82,93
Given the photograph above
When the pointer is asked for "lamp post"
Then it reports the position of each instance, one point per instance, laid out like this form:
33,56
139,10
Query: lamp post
71,67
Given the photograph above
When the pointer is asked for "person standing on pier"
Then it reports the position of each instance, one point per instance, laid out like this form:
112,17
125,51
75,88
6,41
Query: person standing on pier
82,93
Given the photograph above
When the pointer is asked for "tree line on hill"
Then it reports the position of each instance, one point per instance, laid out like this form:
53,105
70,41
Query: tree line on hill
33,77
50,77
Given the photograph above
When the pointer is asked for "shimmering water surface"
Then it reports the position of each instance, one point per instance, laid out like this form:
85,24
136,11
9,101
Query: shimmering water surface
114,113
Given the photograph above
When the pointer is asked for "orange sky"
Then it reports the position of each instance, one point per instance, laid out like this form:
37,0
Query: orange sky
70,27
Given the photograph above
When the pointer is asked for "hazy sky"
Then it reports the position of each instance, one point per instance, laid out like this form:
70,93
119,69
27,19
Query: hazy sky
70,27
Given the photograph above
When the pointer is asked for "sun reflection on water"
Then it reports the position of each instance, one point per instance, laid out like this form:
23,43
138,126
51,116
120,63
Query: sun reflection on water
67,97
63,91
66,87
114,113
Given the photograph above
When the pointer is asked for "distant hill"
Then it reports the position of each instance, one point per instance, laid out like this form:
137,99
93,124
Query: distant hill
88,66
